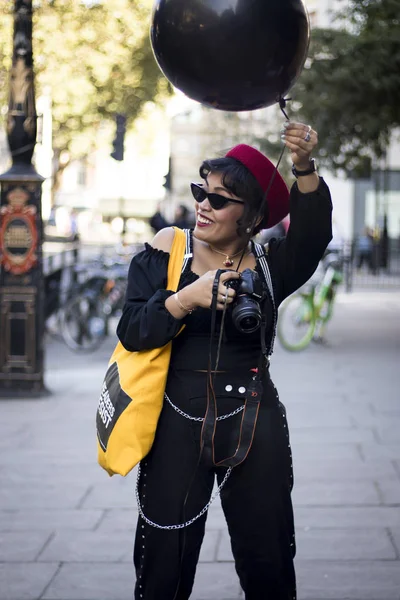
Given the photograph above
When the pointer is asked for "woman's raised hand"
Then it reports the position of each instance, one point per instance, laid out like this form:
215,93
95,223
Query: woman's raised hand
301,140
200,292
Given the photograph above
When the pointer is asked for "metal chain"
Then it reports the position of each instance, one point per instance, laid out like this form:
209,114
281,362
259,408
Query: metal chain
180,525
201,419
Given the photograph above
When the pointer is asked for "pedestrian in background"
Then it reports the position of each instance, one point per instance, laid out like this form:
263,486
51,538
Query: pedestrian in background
182,217
365,249
158,221
74,227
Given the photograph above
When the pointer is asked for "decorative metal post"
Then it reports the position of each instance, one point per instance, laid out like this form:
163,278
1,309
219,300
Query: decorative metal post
21,277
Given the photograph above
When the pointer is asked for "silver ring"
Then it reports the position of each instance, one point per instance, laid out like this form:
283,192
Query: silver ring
308,137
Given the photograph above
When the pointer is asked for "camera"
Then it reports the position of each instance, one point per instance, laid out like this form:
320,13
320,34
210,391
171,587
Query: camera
246,309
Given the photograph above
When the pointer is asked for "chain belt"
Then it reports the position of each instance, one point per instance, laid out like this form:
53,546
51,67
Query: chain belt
201,419
213,497
179,525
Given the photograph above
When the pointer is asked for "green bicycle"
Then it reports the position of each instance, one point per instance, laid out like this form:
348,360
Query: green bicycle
303,315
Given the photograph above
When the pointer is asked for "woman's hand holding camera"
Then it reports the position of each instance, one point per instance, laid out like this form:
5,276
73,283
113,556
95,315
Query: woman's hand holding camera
200,292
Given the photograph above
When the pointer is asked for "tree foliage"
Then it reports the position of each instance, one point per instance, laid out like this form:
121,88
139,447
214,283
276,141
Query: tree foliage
350,87
94,58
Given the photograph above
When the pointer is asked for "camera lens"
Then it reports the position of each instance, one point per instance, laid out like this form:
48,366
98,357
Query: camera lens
246,315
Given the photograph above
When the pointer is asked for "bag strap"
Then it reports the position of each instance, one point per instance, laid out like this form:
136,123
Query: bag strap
188,249
177,257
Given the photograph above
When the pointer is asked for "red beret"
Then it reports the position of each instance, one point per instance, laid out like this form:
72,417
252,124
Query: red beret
263,169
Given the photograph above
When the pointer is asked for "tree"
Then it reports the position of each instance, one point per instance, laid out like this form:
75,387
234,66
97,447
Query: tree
350,87
95,58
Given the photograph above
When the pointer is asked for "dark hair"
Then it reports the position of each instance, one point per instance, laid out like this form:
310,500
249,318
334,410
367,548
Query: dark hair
241,182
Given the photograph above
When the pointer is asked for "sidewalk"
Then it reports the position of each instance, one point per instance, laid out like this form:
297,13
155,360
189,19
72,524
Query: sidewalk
66,528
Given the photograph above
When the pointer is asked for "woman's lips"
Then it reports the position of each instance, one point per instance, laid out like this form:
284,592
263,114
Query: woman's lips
203,221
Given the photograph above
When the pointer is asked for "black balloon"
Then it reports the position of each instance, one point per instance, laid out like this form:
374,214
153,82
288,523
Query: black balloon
231,55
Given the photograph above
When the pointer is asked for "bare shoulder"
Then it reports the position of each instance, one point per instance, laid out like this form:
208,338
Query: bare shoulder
163,239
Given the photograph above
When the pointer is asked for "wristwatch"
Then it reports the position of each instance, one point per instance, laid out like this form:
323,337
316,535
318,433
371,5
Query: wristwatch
312,169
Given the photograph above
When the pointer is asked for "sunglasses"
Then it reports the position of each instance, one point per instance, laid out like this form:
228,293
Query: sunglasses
216,200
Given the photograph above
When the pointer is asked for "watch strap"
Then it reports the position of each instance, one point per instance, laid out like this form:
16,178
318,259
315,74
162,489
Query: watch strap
312,169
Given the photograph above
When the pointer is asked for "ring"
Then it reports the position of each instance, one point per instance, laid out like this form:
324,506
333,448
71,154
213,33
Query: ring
308,137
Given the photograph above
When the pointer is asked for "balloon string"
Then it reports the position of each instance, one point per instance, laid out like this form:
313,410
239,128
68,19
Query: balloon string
282,105
262,207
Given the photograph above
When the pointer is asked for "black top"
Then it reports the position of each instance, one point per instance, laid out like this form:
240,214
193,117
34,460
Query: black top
146,323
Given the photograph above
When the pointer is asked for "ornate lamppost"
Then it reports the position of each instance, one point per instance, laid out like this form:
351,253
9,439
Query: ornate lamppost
21,277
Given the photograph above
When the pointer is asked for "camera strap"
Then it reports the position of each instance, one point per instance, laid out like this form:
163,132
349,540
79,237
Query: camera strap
254,393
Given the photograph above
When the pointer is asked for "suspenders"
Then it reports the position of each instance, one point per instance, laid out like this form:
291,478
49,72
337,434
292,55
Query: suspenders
261,258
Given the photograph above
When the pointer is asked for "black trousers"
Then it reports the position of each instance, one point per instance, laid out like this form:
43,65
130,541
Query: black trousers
175,485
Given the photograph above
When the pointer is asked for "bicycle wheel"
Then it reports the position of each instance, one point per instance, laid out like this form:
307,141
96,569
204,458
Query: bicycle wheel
323,316
83,323
296,322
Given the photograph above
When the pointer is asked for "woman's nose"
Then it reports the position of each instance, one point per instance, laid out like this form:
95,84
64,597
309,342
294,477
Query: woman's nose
205,204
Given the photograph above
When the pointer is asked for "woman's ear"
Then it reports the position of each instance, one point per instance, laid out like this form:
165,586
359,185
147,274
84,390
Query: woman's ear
253,225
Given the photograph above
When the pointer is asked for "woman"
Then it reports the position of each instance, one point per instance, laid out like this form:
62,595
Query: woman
177,476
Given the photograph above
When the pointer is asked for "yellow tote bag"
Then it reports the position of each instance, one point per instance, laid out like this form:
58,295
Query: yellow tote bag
132,394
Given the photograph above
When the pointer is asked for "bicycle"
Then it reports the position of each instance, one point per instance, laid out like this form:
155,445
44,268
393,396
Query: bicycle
84,319
303,315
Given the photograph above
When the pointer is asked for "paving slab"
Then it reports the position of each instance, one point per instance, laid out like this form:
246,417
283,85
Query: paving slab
26,497
91,582
342,452
55,473
224,553
25,581
380,450
364,517
345,544
306,417
394,533
49,519
87,547
379,420
110,496
389,491
218,580
118,519
331,469
209,548
50,455
329,580
387,434
216,517
335,493
330,435
16,546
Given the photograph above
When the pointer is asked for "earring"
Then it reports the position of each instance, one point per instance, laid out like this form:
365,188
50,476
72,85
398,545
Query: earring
248,230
